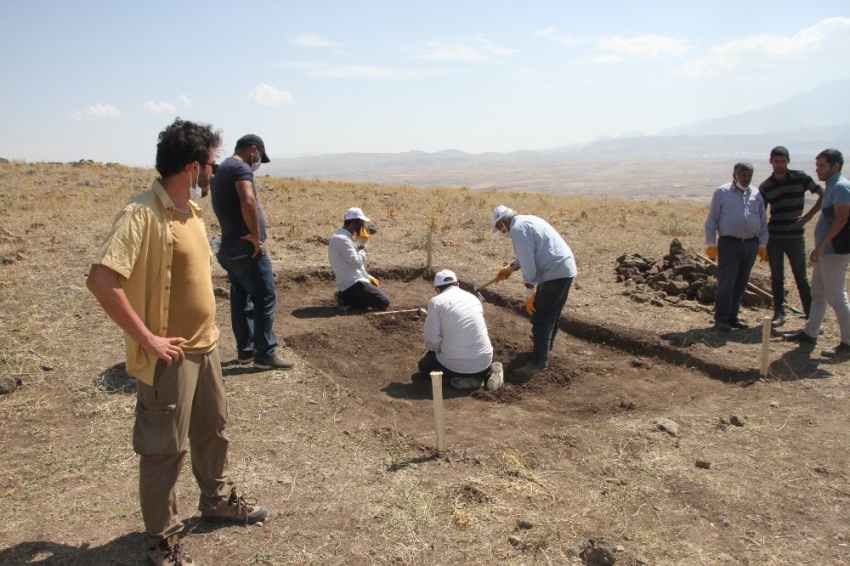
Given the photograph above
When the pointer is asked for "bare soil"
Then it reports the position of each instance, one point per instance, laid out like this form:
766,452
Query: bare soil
341,449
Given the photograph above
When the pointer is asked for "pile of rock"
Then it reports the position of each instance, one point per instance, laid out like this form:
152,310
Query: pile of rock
679,276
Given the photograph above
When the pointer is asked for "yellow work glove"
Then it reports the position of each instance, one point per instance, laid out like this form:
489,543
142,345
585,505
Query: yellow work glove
363,233
712,253
763,254
529,302
374,281
505,272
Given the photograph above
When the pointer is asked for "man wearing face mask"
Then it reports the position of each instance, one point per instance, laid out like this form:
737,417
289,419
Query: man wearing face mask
548,268
738,216
347,256
253,299
152,277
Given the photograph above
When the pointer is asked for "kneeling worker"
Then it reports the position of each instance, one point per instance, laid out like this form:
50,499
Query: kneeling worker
348,258
456,337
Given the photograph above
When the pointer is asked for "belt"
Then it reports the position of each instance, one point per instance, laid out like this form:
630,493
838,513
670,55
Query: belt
754,240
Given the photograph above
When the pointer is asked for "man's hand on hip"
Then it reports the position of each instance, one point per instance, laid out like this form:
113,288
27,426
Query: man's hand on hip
255,241
167,349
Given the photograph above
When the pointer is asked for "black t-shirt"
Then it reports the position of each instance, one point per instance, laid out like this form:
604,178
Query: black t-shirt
225,199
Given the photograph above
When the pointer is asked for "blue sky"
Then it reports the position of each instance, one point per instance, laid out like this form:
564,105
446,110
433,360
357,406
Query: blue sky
99,79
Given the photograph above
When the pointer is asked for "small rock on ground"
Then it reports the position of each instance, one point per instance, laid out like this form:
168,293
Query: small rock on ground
668,426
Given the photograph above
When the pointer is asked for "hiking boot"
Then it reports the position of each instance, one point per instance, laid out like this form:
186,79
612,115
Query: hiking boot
275,362
778,320
800,336
524,374
236,510
738,324
465,382
497,377
723,327
165,555
840,352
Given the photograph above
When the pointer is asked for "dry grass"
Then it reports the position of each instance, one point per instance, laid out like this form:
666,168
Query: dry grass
347,484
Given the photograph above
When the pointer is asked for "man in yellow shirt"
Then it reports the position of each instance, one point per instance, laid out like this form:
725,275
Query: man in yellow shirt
152,277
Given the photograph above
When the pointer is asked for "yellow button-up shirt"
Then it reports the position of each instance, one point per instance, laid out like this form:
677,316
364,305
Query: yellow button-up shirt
140,248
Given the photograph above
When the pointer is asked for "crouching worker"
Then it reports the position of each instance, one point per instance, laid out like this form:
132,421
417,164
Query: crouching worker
456,338
347,255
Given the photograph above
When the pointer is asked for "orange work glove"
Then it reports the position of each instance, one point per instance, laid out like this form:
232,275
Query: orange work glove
712,253
529,302
763,254
505,272
363,233
374,281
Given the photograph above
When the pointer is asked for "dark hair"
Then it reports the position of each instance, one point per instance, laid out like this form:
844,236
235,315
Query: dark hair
743,166
832,157
780,151
183,143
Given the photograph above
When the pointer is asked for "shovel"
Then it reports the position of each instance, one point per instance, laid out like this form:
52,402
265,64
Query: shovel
476,287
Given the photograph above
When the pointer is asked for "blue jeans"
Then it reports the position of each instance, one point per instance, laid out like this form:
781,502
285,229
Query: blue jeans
365,295
548,303
253,299
734,265
795,249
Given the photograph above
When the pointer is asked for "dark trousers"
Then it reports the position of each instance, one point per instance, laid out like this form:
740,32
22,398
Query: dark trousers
429,363
365,295
253,298
734,265
548,303
795,249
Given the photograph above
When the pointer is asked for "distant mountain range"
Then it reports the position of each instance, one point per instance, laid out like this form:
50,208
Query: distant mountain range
701,152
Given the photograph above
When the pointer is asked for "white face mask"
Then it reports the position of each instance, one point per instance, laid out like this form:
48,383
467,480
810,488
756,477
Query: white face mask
195,192
505,232
742,187
256,164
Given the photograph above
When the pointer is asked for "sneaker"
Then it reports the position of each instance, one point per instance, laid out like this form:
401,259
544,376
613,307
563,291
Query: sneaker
339,303
524,374
236,510
738,324
723,327
778,320
465,382
497,377
244,359
841,351
275,362
800,336
165,555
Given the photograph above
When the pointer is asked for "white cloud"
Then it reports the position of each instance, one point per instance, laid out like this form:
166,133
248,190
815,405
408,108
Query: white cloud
152,107
97,112
606,59
548,32
269,96
641,46
561,39
369,72
184,100
481,49
312,40
767,50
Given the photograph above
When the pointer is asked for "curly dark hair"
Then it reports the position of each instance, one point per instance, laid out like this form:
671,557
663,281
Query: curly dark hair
182,143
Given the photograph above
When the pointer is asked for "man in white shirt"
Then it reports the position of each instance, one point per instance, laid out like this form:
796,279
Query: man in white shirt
456,337
355,287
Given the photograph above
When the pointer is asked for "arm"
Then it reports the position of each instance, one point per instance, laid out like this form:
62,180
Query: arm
105,285
763,234
842,210
713,219
248,203
431,331
524,250
801,221
352,255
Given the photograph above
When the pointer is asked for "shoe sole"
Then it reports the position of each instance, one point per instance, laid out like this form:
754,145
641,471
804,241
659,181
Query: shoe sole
267,366
244,362
217,519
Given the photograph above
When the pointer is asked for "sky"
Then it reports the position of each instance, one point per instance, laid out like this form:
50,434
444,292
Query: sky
86,79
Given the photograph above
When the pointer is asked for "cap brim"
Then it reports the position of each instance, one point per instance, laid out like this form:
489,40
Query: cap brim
264,158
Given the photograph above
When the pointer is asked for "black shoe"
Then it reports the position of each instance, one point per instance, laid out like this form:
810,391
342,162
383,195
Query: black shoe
523,375
778,320
840,352
245,359
723,327
801,337
739,325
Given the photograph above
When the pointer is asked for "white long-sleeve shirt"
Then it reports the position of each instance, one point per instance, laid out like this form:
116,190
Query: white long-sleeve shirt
456,332
348,263
541,252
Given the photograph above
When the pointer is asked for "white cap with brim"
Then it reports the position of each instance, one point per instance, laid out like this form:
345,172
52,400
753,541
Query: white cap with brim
444,277
500,212
355,213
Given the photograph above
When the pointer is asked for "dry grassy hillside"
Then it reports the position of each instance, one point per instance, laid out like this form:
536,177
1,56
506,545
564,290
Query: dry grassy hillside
341,448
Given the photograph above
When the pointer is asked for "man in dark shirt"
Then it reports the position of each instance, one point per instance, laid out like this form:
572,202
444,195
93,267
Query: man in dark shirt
253,298
785,192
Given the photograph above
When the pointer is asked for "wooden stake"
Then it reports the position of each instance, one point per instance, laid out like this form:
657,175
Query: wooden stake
430,246
437,389
765,346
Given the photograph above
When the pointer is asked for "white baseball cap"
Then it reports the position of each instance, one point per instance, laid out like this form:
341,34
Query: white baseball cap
444,277
355,213
500,212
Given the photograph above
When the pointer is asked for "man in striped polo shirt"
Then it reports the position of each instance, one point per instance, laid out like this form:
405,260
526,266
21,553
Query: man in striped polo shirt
785,192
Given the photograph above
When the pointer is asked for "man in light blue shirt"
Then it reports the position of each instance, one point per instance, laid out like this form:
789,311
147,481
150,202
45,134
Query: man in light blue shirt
738,216
547,262
830,268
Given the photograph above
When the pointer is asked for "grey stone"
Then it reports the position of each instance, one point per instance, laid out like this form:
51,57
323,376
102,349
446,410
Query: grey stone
668,426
